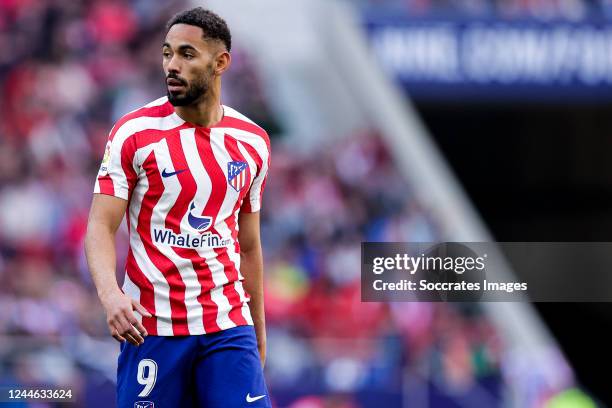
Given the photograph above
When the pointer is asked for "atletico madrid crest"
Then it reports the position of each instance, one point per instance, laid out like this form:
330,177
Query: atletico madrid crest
237,174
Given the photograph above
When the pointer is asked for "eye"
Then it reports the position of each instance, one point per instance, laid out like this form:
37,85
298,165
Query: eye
189,56
166,54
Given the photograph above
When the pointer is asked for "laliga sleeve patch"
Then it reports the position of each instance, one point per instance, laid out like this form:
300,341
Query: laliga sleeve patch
105,160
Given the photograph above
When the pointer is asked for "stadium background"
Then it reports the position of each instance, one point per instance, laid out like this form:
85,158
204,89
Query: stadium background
532,159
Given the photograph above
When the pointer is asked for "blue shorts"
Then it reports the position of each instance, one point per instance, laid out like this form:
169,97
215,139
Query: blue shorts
210,370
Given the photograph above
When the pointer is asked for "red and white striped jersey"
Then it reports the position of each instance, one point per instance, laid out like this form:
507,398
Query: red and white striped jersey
185,185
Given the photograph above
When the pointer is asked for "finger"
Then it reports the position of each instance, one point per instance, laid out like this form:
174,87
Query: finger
117,336
122,324
133,326
128,328
140,308
135,335
139,327
131,339
136,323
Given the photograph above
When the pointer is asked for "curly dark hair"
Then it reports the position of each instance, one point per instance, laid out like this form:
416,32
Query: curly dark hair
214,27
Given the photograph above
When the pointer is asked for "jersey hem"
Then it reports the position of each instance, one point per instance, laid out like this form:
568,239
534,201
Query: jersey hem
113,195
200,332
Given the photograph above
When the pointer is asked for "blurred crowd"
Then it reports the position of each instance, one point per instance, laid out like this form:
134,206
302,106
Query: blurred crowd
69,70
318,209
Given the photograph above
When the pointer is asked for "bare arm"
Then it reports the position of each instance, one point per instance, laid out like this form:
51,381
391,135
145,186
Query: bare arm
251,266
104,220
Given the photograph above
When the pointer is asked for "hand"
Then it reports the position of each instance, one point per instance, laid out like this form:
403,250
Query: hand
122,322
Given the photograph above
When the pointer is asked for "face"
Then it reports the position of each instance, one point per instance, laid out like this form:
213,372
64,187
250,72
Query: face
191,64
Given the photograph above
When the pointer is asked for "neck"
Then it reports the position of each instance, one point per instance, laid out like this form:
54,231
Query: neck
205,112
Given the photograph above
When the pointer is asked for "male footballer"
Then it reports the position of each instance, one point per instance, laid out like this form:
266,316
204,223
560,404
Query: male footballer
188,173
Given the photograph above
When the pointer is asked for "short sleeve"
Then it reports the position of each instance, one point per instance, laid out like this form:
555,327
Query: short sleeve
253,199
117,175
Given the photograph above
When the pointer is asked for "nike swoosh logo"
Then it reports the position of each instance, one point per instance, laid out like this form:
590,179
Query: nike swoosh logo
166,174
253,399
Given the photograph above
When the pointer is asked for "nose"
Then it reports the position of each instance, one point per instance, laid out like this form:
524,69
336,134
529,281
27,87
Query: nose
173,65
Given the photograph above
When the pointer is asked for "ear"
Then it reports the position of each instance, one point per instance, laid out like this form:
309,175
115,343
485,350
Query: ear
222,62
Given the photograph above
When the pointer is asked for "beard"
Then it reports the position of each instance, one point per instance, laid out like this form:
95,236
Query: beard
194,91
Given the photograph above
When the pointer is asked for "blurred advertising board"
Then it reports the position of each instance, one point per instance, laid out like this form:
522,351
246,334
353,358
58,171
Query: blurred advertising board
495,60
